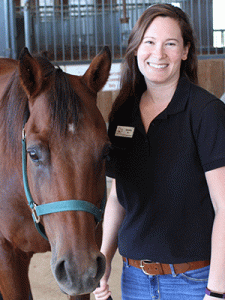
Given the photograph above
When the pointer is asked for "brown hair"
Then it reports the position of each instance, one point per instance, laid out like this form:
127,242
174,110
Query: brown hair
132,81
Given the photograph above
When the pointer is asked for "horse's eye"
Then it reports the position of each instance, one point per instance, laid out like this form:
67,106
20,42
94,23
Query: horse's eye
33,155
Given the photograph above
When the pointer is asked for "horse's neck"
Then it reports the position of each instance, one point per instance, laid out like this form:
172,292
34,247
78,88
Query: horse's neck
7,68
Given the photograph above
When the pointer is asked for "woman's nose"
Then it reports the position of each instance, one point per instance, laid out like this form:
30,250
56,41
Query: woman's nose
159,51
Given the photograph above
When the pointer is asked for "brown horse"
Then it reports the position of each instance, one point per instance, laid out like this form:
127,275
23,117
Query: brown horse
66,144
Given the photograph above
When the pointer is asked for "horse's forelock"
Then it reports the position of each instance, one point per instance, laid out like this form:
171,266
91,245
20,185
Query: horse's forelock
65,104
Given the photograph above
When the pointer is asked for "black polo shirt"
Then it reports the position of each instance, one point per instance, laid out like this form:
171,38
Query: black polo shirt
160,177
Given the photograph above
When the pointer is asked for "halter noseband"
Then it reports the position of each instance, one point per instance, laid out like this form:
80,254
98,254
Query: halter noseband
54,207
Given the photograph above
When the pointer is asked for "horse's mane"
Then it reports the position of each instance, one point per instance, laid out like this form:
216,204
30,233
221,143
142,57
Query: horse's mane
64,104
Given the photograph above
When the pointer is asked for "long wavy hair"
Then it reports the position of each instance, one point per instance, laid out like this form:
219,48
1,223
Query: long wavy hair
132,82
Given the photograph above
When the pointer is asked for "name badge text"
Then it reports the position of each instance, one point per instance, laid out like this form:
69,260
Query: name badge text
124,131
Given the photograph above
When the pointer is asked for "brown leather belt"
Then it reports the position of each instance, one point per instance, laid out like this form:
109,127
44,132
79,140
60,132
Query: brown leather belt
154,268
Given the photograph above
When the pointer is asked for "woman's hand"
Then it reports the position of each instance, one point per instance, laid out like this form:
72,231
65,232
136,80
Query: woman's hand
102,292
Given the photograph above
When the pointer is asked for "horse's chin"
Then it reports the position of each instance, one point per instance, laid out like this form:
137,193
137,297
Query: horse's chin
79,287
76,278
77,292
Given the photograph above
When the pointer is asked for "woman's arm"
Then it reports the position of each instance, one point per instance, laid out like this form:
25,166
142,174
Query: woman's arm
216,183
113,217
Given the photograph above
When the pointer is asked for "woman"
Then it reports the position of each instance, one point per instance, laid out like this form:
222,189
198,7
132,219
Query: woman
166,209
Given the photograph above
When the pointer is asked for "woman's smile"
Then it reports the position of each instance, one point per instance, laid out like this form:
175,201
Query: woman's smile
157,66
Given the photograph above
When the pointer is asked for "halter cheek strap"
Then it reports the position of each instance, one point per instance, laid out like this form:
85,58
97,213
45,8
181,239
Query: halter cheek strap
58,206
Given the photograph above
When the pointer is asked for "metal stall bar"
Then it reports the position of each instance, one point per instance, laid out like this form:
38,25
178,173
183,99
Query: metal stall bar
37,27
207,27
7,29
136,8
103,22
112,29
13,29
54,31
96,27
192,11
120,31
79,31
87,30
45,26
27,25
62,31
200,25
71,14
143,6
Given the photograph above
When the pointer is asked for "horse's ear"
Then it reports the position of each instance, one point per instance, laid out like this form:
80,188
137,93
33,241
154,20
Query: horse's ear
30,73
98,71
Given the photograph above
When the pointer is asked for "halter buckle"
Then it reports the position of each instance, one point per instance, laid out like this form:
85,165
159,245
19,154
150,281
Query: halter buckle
23,134
36,217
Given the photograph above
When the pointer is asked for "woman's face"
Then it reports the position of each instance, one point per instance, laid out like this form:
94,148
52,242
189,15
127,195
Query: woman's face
161,52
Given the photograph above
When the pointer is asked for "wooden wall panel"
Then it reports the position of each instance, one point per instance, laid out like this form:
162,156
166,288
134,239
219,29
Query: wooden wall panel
211,76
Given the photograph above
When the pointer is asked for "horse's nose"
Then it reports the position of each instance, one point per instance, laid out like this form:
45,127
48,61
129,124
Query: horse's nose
100,266
76,275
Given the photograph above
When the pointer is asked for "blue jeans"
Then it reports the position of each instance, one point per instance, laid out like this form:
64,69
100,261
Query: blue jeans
187,286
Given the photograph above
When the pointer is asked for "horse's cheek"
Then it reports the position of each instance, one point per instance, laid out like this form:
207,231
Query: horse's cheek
39,182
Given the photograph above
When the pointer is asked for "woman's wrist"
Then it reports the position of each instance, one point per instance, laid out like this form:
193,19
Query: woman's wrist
214,294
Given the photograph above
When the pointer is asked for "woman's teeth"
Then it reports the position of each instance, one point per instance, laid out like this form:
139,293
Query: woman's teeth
157,66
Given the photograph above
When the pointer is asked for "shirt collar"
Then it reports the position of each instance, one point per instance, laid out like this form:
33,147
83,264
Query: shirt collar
180,97
176,105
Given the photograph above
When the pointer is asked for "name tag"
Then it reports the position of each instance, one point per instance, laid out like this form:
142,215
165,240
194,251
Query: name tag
124,131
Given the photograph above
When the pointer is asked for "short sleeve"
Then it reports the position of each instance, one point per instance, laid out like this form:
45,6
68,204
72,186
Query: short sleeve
211,136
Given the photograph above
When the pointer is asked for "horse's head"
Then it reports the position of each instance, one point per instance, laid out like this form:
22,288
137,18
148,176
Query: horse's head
66,143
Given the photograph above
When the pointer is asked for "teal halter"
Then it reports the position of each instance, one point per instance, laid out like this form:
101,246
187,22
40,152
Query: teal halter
54,207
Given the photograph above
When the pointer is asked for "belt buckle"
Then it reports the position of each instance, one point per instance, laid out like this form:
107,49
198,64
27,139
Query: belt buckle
143,263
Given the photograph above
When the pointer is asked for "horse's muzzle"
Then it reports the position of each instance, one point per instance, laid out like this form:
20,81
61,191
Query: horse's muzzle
77,277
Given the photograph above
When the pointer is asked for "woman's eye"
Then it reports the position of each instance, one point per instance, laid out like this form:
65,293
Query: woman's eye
149,42
171,44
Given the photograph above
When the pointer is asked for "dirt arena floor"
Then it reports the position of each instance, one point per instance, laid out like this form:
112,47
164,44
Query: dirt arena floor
44,286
